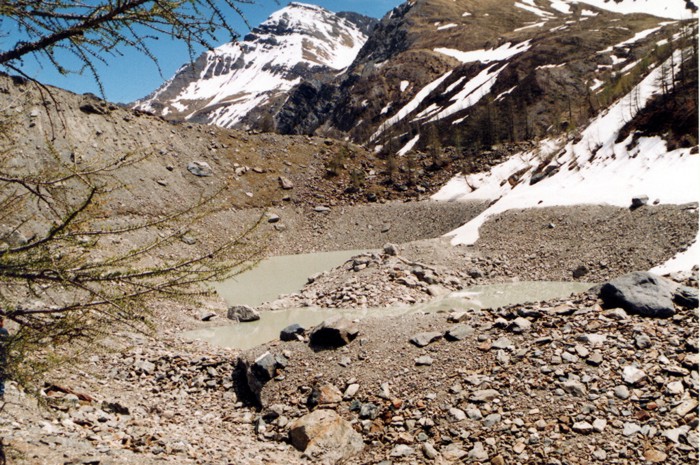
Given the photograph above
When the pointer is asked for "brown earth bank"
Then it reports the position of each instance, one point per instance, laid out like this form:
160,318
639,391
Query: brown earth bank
560,396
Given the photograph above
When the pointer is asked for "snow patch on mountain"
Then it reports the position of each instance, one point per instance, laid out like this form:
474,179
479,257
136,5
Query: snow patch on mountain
412,105
473,91
503,52
675,9
594,170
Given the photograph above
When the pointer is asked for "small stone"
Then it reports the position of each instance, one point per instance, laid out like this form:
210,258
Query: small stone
622,392
457,414
599,425
630,429
575,388
429,451
459,333
642,341
520,325
453,453
686,407
391,249
675,433
600,454
654,456
519,448
242,313
484,395
292,332
618,314
401,450
326,436
502,343
595,360
424,360
632,375
581,350
478,453
285,183
594,340
423,339
582,427
324,394
675,370
333,332
458,317
200,168
369,410
639,200
350,391
675,387
474,414
491,420
498,460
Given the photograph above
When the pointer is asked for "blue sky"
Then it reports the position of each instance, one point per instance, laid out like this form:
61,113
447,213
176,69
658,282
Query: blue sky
132,75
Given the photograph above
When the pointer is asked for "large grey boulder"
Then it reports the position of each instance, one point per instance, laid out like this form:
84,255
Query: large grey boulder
242,313
333,332
640,293
324,436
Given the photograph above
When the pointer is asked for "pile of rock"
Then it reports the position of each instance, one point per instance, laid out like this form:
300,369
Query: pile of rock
387,279
564,381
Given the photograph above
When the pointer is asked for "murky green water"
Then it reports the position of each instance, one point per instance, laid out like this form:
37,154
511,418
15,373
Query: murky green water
278,275
282,275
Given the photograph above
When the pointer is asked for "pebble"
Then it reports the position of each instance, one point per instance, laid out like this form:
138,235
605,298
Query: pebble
622,392
491,420
632,375
654,456
599,425
484,395
575,388
429,451
630,429
402,450
457,414
453,452
478,453
423,339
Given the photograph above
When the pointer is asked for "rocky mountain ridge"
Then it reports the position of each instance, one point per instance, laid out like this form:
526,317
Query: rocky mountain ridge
228,85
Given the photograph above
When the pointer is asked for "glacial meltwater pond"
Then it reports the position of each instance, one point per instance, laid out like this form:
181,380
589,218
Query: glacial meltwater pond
285,274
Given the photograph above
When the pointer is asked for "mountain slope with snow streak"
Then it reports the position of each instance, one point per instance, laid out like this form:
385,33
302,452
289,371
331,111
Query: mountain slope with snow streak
526,58
224,86
596,169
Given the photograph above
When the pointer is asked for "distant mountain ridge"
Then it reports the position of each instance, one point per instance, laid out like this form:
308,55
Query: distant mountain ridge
235,83
464,69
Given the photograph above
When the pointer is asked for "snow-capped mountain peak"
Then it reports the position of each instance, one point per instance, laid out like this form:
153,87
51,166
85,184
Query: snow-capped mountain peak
223,86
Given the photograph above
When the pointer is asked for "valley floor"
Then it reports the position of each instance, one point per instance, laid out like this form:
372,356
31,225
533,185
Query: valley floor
556,392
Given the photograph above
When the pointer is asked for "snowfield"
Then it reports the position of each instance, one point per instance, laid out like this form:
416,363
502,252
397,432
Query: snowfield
594,170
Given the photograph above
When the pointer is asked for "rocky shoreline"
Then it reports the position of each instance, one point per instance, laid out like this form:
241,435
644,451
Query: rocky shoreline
160,399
